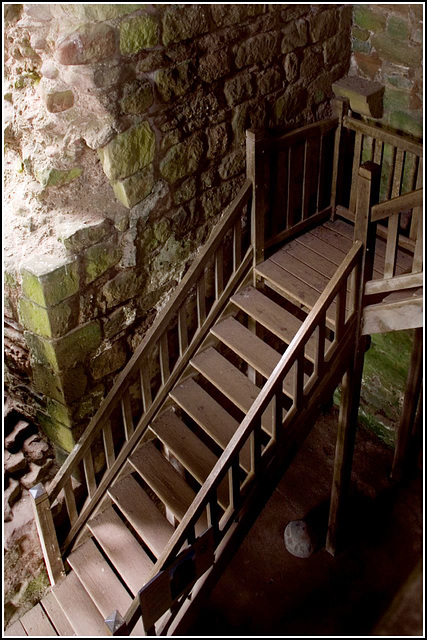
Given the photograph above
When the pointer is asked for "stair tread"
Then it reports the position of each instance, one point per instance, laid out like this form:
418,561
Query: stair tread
209,415
15,629
99,580
142,513
36,623
272,316
57,616
165,481
122,549
196,457
231,382
79,609
321,264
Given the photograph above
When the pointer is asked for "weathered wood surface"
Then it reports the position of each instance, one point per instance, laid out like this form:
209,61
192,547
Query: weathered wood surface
393,316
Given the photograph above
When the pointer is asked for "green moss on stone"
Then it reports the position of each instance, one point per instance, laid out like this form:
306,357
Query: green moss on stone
137,33
137,98
58,433
65,352
174,82
397,52
406,122
122,287
128,152
47,281
51,323
398,28
367,18
99,258
77,239
182,159
132,190
108,361
181,22
66,387
51,177
396,99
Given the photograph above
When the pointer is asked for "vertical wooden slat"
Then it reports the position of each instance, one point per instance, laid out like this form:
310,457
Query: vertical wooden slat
145,374
127,414
320,176
182,330
340,311
255,447
213,516
237,244
89,473
47,533
398,173
340,108
393,221
219,271
234,484
378,151
305,181
320,345
257,171
70,502
280,211
417,212
389,184
299,381
290,193
355,171
201,301
417,264
278,415
164,357
107,437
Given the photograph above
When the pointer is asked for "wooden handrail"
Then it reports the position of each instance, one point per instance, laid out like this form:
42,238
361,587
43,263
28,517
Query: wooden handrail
396,205
273,386
395,140
303,133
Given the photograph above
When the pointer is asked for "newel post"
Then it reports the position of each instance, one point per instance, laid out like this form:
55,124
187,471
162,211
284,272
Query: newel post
47,533
256,171
367,195
116,625
340,108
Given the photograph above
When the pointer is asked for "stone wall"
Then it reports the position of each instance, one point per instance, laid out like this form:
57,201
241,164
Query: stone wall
125,133
387,43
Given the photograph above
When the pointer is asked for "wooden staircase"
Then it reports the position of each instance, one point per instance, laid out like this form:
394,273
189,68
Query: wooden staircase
282,336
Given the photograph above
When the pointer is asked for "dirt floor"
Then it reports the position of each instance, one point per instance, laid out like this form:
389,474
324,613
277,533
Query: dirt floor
268,592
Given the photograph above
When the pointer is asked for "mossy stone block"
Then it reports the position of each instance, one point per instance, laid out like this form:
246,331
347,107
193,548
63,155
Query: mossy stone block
128,152
118,320
174,82
47,281
66,387
65,352
185,191
50,323
367,18
132,190
93,12
406,122
99,258
108,361
396,51
59,434
137,98
182,159
398,28
181,22
137,33
75,239
51,177
396,100
123,286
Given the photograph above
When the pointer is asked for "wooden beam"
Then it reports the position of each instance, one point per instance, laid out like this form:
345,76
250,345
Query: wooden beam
398,283
393,316
396,205
47,533
398,141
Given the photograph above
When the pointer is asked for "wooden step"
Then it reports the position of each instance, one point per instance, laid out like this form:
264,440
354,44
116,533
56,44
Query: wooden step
191,452
166,482
122,549
321,264
292,288
209,415
15,629
36,623
142,514
272,316
231,382
79,609
56,615
99,580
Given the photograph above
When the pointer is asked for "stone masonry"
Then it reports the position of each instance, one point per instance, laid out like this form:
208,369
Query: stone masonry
158,98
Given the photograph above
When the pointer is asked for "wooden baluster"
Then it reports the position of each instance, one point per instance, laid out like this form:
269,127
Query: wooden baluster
89,474
320,346
47,533
417,213
279,213
107,437
234,484
257,171
278,415
201,301
390,175
127,414
219,272
340,312
340,108
182,330
191,535
393,221
417,264
147,397
299,381
237,244
213,516
305,181
255,445
378,151
70,502
355,171
164,357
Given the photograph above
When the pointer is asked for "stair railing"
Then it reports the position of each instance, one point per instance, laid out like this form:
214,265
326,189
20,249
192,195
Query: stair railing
290,426
144,384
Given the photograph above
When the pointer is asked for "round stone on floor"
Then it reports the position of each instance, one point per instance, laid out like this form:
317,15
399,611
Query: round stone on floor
298,539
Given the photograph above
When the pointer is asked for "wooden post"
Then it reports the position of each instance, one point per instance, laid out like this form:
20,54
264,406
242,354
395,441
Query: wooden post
340,108
47,533
367,195
410,403
116,624
256,171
